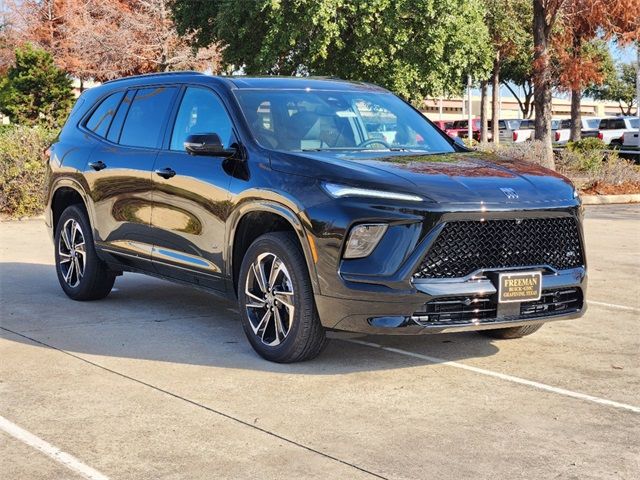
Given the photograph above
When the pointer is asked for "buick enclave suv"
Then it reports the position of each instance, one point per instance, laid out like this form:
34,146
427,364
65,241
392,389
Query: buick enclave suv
319,204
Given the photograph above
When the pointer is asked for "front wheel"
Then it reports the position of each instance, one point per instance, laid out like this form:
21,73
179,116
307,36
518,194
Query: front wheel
512,332
82,275
276,301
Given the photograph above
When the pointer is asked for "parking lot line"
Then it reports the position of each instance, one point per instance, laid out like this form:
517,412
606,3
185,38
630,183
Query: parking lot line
69,461
614,305
502,376
184,399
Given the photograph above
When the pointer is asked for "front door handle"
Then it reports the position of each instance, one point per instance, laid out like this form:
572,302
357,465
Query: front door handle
165,172
97,166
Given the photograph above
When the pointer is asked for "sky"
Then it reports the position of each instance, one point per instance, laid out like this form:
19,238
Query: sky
624,55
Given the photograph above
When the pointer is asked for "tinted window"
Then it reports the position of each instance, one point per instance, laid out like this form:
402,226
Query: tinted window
619,123
604,124
144,122
201,112
565,124
100,119
121,114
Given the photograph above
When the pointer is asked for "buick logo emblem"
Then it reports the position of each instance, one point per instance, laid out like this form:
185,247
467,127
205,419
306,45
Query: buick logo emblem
510,193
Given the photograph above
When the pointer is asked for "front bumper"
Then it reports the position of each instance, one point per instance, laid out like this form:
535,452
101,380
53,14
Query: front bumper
402,314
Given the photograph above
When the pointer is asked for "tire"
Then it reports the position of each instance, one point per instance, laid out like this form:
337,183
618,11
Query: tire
513,332
280,320
95,280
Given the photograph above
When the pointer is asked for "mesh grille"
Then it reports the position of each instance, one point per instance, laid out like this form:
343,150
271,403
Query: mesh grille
466,246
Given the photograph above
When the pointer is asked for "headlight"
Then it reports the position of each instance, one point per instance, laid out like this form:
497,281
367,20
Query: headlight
338,191
363,239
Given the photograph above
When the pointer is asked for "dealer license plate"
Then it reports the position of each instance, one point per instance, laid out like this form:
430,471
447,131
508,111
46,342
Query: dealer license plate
519,286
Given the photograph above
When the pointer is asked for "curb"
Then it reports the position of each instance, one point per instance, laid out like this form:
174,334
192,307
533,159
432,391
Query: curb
610,199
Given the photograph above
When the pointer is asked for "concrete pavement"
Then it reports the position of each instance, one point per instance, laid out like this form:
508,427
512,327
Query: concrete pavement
158,381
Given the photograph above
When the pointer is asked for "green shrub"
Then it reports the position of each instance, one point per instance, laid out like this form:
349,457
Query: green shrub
587,145
583,156
22,169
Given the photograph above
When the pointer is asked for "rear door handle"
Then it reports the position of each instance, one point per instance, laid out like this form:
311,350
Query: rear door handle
97,166
165,172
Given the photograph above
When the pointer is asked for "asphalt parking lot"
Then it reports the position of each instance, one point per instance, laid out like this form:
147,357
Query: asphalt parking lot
157,381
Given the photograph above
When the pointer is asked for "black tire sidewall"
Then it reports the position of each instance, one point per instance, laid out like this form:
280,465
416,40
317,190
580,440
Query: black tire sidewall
93,266
304,302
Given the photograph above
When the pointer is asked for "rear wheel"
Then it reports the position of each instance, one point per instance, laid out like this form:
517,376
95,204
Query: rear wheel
512,332
82,275
276,301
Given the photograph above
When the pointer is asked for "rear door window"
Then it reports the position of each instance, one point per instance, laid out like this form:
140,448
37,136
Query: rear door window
102,116
143,126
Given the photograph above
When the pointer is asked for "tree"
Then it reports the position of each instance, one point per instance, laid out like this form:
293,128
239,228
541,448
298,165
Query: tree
545,14
415,48
106,39
517,69
619,85
508,29
35,90
579,46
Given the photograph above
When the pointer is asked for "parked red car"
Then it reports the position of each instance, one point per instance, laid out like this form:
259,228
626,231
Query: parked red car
460,128
443,125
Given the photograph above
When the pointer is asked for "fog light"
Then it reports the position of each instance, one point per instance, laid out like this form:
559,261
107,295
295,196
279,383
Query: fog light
363,239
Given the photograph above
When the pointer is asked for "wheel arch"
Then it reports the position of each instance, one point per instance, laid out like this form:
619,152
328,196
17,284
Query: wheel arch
257,218
65,193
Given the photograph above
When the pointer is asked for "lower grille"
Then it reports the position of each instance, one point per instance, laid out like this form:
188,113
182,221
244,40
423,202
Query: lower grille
452,310
463,247
478,310
551,303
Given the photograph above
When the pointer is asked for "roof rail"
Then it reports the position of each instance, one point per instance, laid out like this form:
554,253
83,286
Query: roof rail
155,74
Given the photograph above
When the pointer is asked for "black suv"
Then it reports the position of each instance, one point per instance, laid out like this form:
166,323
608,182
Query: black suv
320,204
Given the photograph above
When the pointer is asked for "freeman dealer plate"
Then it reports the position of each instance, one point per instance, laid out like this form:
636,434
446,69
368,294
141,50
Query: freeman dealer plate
519,287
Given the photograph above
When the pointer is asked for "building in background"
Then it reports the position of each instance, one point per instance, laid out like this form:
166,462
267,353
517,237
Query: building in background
456,108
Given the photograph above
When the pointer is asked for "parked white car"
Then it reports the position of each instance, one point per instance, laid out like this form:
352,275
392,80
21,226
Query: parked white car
588,128
524,132
631,140
613,129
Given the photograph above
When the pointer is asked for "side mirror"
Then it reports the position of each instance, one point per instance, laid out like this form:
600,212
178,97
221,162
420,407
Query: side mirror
207,144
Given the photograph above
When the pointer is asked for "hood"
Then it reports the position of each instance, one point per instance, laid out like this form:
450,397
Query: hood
466,177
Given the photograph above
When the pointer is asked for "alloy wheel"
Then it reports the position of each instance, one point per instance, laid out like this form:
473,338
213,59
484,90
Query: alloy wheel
270,299
72,254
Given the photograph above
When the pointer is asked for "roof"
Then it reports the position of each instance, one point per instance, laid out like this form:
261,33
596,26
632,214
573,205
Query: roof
298,83
242,82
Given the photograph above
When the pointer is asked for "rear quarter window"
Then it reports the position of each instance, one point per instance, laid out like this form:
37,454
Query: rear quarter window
100,119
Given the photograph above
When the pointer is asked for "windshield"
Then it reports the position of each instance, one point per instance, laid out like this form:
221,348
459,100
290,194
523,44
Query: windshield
301,120
634,122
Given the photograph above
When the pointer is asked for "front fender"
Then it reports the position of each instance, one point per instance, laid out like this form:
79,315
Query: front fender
297,219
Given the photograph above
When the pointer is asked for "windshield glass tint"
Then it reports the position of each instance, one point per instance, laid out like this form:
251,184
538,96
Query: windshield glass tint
296,120
593,123
634,122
